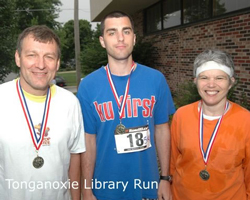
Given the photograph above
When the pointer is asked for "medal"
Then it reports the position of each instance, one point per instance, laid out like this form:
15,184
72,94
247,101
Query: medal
120,129
205,154
38,162
204,175
37,140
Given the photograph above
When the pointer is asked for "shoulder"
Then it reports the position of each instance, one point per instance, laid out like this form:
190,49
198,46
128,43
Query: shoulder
239,110
8,90
64,95
92,79
8,85
92,83
95,74
149,70
150,76
187,109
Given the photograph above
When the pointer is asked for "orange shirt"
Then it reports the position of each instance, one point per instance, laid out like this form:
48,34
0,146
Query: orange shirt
228,164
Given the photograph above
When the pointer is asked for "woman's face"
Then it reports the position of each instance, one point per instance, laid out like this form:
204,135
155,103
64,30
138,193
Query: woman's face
213,86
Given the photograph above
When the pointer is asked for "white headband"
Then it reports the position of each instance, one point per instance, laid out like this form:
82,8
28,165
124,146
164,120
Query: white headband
213,65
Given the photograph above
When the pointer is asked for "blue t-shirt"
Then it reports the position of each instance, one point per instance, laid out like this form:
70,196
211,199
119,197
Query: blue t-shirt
128,176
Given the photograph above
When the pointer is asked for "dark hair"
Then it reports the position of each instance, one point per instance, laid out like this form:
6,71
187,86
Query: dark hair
116,14
41,33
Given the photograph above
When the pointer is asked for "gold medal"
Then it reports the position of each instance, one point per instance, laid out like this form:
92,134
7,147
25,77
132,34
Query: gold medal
120,129
204,175
38,162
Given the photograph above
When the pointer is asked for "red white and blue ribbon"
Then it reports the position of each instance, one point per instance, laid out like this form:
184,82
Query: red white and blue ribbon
37,141
121,105
206,154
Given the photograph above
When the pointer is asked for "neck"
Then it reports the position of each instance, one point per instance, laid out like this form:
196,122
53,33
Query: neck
31,90
216,110
120,67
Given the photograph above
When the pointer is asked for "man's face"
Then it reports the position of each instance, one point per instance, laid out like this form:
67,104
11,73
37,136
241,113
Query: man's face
118,38
38,64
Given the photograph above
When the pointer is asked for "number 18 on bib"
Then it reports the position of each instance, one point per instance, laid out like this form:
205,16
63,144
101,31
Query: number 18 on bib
133,140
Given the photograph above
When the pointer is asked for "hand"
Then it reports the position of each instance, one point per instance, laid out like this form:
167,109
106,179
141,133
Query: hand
164,191
88,196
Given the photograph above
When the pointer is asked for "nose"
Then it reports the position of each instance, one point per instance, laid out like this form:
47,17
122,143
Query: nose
120,36
211,82
40,63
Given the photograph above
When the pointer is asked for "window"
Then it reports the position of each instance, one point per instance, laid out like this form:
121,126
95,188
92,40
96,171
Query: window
171,13
195,10
225,6
153,18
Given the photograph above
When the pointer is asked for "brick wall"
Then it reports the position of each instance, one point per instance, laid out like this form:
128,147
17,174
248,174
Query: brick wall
176,49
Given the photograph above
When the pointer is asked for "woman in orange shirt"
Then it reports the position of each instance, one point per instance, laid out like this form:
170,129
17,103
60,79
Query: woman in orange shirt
210,139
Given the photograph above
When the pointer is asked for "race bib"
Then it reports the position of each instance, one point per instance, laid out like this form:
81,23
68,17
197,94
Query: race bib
133,140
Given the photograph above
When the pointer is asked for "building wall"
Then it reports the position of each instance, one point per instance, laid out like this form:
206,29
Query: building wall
176,49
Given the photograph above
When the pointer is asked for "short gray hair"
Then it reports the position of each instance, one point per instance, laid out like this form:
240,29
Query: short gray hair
215,55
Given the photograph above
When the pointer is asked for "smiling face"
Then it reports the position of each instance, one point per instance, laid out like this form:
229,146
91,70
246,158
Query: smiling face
38,63
213,86
118,38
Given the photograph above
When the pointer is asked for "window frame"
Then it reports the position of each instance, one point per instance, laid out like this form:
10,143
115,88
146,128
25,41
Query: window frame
182,24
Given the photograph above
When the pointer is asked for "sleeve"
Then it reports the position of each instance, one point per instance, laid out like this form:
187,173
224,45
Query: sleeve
78,141
86,108
246,162
164,105
174,143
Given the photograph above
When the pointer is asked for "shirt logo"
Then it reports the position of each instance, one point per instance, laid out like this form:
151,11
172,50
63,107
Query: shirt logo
46,139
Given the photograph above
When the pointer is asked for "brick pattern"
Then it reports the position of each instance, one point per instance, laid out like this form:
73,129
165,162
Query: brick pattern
176,49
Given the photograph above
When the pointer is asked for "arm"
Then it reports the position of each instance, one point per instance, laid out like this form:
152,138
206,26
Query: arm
174,144
162,140
87,164
246,168
75,177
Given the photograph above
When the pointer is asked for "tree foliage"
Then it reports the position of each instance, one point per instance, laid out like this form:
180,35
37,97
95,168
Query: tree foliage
66,34
93,55
33,12
142,52
7,32
15,16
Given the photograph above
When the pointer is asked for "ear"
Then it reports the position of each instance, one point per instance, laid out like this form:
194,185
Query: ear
102,41
134,39
17,58
232,82
195,80
58,65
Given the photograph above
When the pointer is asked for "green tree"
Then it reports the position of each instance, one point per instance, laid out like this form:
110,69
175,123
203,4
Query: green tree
93,55
33,12
66,34
142,52
8,33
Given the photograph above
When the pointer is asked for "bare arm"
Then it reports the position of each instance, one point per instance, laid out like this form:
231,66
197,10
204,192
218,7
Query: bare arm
88,159
75,176
162,140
